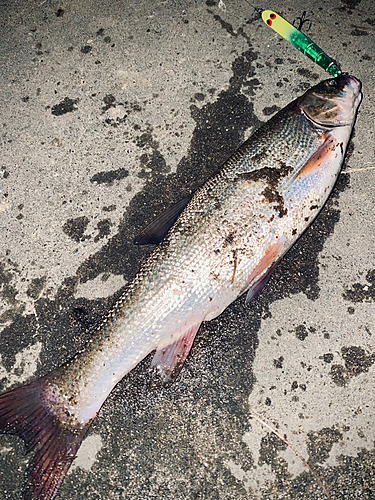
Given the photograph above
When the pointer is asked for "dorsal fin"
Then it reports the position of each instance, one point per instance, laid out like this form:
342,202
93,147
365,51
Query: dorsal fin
157,230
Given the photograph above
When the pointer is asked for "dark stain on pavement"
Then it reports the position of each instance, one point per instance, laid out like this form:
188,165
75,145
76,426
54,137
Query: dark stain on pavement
16,337
75,228
351,4
86,49
109,102
126,108
319,444
66,106
110,176
270,110
152,161
308,74
352,478
340,375
36,287
301,331
270,447
357,361
7,290
362,292
104,229
359,32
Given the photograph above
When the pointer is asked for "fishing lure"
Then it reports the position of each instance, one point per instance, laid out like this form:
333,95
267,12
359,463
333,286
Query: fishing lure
300,41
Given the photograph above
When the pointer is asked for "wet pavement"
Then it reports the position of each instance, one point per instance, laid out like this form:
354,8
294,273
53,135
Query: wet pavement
111,112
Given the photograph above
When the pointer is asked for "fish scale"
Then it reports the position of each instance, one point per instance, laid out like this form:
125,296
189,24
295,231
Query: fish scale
226,242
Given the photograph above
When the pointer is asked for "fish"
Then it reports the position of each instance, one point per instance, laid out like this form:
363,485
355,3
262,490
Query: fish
220,243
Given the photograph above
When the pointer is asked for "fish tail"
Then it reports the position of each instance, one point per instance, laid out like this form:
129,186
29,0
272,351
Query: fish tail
25,413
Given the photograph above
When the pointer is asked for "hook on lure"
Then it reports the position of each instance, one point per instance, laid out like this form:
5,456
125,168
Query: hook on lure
300,41
302,20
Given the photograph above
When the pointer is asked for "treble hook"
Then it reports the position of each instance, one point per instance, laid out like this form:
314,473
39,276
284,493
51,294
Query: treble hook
302,20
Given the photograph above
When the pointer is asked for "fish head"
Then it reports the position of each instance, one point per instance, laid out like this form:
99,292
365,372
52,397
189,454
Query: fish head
333,102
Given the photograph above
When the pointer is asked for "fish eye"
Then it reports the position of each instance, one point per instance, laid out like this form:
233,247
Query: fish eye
332,83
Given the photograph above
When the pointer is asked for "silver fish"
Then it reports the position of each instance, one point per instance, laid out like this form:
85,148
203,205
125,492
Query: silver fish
225,242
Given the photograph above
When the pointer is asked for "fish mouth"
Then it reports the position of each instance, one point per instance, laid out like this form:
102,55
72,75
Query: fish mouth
356,86
350,80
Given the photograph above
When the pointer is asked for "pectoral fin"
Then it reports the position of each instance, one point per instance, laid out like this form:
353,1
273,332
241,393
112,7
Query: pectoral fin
157,230
263,271
314,163
170,359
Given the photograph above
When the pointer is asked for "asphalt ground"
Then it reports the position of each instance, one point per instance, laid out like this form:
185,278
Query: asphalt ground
110,112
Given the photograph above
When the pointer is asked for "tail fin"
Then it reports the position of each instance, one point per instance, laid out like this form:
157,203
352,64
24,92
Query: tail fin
23,412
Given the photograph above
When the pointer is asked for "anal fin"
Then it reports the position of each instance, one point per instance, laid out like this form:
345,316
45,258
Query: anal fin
170,359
